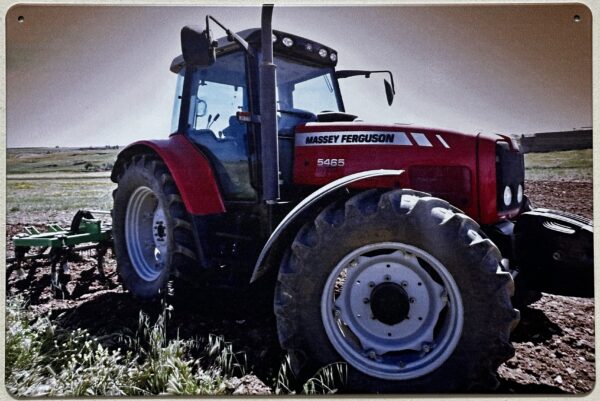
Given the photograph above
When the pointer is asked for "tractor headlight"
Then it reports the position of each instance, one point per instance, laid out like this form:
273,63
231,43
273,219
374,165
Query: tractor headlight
510,176
520,193
507,196
287,42
323,53
333,57
274,38
309,47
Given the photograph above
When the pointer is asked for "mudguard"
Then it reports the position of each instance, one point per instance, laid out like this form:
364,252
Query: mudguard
262,266
190,169
555,252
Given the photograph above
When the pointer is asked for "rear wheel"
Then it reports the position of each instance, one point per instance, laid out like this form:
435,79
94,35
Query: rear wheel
152,231
402,288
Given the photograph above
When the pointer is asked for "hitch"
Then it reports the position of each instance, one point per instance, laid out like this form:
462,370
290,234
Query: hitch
555,252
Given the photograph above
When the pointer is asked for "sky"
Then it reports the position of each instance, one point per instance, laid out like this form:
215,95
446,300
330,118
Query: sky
99,75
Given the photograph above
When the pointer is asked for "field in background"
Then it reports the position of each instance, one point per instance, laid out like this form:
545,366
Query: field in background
566,165
51,184
49,180
59,160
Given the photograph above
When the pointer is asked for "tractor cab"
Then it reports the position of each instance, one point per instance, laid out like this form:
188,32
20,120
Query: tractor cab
216,106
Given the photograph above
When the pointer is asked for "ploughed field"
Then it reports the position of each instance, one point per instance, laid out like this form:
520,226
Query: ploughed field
554,341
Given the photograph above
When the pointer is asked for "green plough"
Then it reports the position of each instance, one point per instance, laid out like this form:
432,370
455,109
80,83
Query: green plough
58,245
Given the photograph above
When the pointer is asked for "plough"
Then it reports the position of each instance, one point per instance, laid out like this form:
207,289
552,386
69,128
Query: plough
58,245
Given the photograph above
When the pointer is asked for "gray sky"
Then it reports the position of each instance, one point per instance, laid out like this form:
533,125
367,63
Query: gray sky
99,75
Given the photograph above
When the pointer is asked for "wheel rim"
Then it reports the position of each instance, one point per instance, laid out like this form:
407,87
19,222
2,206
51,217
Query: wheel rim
415,334
146,234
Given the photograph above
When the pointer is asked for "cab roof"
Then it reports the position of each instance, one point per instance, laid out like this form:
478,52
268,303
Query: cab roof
299,49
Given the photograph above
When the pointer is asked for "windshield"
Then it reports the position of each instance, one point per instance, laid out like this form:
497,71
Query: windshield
306,88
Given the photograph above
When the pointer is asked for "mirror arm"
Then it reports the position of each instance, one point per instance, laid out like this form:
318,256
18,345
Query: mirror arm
231,36
367,74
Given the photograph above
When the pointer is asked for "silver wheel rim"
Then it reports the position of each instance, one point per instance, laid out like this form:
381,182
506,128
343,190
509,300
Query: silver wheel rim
146,234
395,350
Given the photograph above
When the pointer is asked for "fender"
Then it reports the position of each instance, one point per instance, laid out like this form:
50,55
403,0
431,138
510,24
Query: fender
190,169
262,264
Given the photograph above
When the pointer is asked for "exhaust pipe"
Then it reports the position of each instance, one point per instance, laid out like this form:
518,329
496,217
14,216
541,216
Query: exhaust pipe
268,111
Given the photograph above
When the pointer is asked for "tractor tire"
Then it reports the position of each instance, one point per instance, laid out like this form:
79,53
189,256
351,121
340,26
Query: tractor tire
403,288
153,237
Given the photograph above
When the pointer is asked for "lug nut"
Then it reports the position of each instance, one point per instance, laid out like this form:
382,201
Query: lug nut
404,284
412,300
366,301
354,263
387,277
371,284
372,355
425,347
337,314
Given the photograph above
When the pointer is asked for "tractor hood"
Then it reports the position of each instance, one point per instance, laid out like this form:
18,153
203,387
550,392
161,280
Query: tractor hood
444,163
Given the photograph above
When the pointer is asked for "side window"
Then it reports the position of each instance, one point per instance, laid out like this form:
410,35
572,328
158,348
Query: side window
221,93
177,102
216,107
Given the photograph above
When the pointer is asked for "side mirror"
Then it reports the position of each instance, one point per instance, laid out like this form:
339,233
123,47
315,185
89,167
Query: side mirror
197,47
389,92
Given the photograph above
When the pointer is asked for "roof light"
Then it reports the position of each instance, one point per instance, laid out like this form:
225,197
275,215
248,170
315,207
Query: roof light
333,57
274,38
288,42
323,53
308,47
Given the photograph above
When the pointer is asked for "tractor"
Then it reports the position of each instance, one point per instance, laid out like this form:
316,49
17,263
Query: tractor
392,248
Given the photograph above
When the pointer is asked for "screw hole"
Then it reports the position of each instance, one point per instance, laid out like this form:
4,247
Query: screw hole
419,283
576,18
420,318
389,334
387,265
20,19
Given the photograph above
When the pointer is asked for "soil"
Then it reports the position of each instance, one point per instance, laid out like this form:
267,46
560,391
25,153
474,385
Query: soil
570,196
554,341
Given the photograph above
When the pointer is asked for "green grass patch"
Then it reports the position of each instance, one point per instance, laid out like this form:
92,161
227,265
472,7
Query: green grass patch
45,359
565,165
43,195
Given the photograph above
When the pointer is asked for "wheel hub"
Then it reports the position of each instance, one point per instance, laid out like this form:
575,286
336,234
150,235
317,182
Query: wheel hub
392,310
390,303
146,234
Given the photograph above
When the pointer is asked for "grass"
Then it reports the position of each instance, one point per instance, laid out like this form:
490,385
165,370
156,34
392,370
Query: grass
565,165
63,194
45,359
41,180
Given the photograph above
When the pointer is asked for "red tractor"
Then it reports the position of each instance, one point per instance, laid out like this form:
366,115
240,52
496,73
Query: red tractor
392,248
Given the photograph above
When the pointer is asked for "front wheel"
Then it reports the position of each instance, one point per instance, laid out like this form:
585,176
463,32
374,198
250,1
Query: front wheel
402,288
